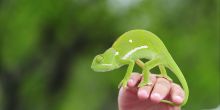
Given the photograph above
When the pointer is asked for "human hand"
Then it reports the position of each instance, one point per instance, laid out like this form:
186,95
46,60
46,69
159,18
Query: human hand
149,97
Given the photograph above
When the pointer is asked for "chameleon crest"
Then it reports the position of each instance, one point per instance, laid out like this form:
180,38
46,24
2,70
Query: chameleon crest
132,46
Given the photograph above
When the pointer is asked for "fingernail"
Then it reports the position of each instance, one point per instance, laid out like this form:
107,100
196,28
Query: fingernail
143,93
131,82
178,99
156,97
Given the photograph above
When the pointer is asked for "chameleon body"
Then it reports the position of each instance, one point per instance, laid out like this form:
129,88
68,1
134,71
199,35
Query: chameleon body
133,46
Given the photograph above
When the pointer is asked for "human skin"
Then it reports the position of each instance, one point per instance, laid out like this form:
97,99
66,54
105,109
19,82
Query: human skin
148,97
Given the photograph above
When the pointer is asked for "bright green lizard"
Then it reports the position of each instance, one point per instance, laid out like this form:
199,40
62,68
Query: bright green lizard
134,45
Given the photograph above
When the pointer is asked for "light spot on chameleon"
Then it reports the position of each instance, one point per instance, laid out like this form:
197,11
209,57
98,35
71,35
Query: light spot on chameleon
130,41
133,51
116,53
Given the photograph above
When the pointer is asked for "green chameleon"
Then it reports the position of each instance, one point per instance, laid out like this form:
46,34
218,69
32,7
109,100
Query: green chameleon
134,45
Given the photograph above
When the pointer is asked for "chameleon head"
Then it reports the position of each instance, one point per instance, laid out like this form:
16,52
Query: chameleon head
105,62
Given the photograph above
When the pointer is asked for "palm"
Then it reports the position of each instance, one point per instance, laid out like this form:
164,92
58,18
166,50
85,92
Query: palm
133,98
130,101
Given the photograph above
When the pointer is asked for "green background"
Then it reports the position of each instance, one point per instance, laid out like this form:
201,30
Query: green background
47,47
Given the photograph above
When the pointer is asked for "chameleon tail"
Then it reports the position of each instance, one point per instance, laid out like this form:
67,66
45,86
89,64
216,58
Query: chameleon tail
175,69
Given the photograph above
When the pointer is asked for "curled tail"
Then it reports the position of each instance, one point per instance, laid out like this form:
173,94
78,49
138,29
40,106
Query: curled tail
175,69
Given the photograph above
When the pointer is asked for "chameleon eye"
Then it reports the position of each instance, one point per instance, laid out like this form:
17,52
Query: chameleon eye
99,58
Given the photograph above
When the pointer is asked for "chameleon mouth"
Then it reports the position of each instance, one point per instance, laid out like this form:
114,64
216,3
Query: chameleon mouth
102,67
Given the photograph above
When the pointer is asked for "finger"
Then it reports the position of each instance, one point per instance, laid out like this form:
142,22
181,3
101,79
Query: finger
177,94
144,92
160,90
134,79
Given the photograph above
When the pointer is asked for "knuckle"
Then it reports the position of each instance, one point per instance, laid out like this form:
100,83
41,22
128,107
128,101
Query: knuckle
177,86
163,81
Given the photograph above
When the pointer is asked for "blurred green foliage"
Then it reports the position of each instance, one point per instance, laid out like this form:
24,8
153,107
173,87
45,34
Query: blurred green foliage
47,47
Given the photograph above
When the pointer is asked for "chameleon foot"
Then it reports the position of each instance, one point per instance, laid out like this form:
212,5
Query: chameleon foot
123,83
145,84
166,77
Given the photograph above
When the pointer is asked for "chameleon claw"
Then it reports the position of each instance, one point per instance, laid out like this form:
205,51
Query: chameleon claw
119,85
145,84
166,77
122,84
149,84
